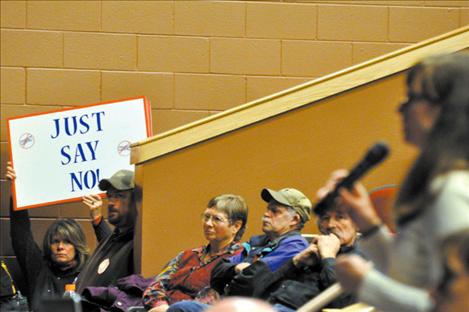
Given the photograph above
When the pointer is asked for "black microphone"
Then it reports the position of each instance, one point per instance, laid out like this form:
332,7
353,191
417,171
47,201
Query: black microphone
377,153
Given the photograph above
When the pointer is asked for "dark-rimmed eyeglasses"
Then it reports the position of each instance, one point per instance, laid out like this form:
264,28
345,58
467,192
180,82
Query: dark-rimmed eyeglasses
411,99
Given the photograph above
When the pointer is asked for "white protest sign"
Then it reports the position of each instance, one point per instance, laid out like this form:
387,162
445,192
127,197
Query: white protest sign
60,156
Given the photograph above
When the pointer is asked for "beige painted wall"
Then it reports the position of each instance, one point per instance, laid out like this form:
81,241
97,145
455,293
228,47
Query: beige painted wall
192,59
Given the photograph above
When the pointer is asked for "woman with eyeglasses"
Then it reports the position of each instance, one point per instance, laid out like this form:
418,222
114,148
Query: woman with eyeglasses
433,201
187,277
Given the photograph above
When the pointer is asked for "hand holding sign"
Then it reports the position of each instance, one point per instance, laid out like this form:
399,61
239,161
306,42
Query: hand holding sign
76,148
10,172
95,204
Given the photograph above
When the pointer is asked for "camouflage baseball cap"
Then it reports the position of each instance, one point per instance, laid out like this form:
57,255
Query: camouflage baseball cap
122,180
292,198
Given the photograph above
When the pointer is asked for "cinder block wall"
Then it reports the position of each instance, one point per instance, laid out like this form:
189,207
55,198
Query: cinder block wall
191,58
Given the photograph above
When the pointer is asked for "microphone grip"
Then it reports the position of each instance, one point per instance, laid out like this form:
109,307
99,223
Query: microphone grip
347,182
375,155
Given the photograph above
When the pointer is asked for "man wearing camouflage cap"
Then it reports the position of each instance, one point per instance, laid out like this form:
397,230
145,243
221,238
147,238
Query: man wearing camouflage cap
113,257
287,211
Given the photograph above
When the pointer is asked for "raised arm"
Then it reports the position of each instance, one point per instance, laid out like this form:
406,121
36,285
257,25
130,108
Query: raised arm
95,205
27,252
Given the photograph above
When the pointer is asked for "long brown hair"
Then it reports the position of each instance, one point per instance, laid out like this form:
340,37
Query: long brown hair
445,82
68,230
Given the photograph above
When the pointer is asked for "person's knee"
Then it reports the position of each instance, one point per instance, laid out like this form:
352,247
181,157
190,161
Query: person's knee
187,306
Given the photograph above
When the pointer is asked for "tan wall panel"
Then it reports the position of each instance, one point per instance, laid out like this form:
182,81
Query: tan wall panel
12,85
150,17
67,15
13,14
164,120
17,110
38,227
281,20
367,2
5,156
364,23
364,51
63,87
209,18
4,196
447,3
31,48
415,24
209,92
44,212
100,51
312,58
158,53
464,17
258,87
158,87
298,149
245,56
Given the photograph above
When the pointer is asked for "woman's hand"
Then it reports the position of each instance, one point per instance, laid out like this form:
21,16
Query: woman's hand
350,271
10,173
359,207
355,201
95,204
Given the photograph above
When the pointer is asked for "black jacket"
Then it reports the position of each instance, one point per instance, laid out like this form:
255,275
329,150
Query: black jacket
289,285
272,253
112,259
42,279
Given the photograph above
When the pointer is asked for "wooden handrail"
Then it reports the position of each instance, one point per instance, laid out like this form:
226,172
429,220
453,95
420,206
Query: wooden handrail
297,96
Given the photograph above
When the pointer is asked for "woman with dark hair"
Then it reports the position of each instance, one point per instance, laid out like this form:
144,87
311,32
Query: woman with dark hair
433,201
63,254
187,276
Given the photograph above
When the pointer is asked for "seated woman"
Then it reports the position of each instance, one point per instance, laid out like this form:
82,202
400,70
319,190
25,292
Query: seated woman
64,252
187,276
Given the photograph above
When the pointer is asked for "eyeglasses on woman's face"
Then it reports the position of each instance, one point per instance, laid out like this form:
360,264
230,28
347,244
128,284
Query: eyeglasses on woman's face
206,217
411,99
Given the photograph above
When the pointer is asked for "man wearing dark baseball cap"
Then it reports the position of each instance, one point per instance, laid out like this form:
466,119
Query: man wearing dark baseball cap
287,211
113,257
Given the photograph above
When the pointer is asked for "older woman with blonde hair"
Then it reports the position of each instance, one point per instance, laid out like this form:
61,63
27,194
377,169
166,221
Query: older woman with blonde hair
187,276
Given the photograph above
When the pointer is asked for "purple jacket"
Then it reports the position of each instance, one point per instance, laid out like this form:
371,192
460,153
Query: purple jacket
127,293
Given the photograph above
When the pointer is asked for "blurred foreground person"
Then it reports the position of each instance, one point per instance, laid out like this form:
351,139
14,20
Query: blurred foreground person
453,291
240,304
433,201
64,253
